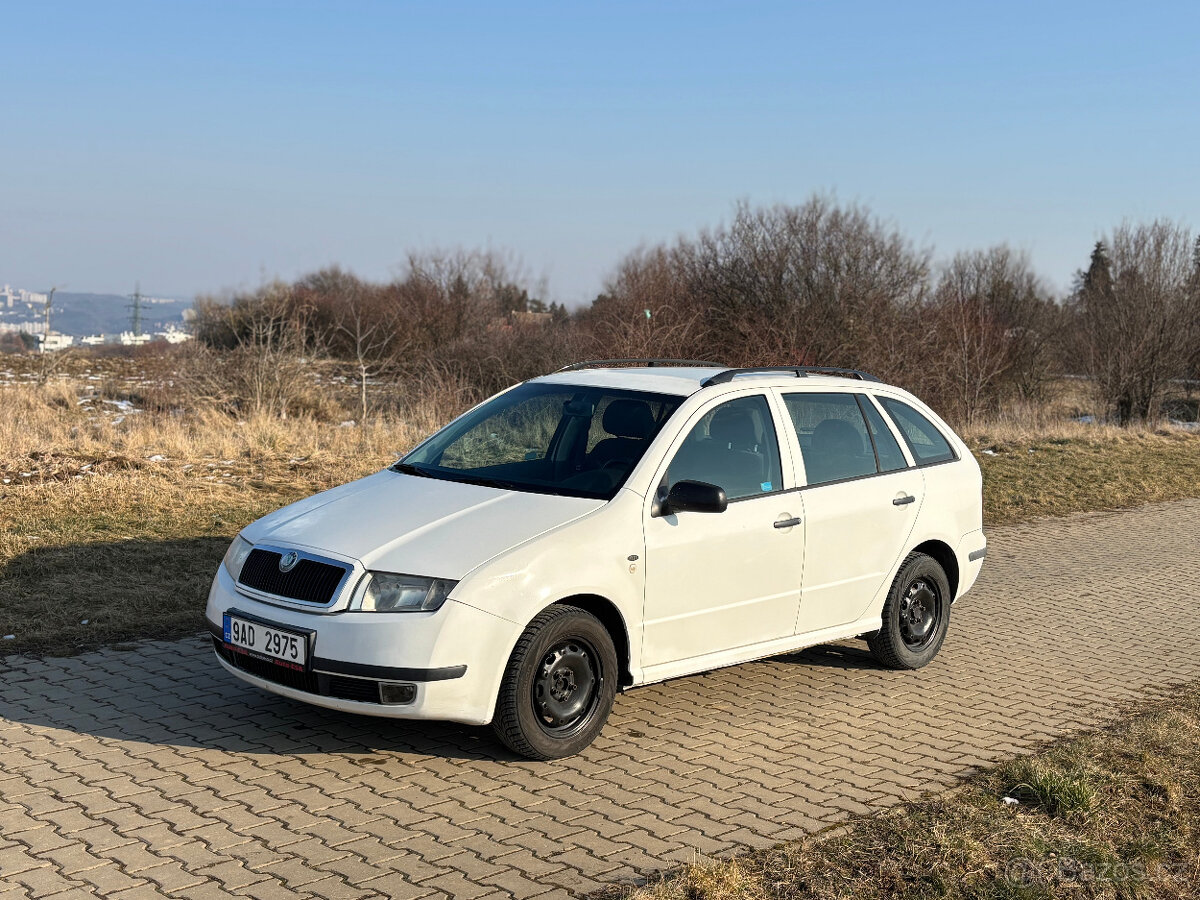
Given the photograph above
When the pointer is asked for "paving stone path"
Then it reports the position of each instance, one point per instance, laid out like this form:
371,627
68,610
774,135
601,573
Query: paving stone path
152,773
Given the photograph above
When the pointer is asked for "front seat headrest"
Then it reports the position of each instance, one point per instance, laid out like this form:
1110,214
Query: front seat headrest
734,428
629,419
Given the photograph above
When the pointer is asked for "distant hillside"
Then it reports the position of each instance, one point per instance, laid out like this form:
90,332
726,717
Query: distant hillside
82,314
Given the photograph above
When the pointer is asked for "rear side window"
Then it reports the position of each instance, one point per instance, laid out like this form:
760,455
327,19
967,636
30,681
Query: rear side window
886,448
734,447
833,436
923,438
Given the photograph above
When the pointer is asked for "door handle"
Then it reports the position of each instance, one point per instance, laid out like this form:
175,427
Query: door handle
787,523
904,501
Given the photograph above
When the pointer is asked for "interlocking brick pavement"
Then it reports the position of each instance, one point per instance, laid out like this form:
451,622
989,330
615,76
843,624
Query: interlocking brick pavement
152,773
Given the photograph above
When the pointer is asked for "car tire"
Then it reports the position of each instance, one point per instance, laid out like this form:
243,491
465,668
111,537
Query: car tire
916,615
558,686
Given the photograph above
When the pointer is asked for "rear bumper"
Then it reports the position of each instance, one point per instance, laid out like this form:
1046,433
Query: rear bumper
452,659
971,552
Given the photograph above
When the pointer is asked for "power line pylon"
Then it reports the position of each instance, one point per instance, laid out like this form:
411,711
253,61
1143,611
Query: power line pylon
135,309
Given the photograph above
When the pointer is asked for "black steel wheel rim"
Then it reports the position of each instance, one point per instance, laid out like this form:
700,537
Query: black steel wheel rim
920,612
566,687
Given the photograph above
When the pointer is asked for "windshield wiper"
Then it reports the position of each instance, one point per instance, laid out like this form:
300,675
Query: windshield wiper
443,475
484,481
410,469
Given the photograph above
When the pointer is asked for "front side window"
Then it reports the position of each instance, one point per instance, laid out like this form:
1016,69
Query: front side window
834,443
547,438
924,440
733,446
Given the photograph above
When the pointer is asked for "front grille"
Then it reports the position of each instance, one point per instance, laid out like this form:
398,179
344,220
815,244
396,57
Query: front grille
310,581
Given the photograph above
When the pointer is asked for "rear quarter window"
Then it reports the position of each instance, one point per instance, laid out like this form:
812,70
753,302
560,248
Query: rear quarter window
927,444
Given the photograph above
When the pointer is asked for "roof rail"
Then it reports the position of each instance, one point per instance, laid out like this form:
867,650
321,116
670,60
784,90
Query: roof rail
799,371
651,363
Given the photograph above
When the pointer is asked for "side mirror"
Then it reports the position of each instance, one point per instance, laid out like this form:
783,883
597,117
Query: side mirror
695,496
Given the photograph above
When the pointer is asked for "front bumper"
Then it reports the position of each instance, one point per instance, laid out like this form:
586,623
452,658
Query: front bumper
454,657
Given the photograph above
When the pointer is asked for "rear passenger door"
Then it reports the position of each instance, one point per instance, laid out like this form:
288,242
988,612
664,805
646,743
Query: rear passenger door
861,497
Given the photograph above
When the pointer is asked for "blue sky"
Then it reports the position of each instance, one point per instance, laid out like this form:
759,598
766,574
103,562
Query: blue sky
201,146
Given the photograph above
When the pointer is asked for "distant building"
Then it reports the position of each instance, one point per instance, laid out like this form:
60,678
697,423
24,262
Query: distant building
129,339
93,340
172,335
22,327
48,343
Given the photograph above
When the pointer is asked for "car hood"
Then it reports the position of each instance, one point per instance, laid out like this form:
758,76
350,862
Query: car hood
392,522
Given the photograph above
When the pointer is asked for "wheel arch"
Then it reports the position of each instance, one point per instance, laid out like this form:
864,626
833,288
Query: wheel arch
943,554
614,623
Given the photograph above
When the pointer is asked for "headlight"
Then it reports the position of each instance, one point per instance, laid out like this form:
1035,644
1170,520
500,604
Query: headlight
235,556
403,593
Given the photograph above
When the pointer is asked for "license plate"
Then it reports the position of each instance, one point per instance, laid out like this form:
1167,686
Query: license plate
276,644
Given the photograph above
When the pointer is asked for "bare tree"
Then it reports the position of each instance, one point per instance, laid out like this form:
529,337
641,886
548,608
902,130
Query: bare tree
816,283
256,361
368,329
994,323
1137,308
646,310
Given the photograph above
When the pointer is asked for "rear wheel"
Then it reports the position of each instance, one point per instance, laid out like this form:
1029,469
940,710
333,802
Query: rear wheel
559,685
916,615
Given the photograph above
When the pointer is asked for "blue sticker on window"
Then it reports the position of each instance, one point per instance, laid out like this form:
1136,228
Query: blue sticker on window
766,485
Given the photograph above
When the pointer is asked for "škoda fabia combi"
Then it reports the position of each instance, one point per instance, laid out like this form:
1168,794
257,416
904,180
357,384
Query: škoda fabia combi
607,526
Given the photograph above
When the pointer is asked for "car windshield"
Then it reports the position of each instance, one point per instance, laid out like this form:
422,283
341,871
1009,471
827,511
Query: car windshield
547,438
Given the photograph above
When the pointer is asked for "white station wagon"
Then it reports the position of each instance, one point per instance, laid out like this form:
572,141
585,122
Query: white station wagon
614,524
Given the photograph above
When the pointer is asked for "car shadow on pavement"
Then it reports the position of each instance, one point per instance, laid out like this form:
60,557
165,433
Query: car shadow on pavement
843,655
147,694
175,693
75,663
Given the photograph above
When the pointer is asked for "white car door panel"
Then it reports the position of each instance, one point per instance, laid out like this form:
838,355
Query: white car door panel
861,501
855,535
716,581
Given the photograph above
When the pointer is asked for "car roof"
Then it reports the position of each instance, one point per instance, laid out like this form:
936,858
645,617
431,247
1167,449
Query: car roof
686,380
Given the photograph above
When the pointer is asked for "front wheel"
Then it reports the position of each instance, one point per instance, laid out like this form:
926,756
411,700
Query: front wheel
916,615
559,685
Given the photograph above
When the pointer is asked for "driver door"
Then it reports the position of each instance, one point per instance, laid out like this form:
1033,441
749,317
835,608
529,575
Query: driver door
719,581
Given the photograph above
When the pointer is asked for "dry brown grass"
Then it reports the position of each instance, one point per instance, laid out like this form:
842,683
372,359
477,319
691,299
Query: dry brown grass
112,523
1114,813
1066,467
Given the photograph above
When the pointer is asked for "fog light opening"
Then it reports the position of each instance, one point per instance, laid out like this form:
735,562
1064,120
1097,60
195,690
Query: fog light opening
397,693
